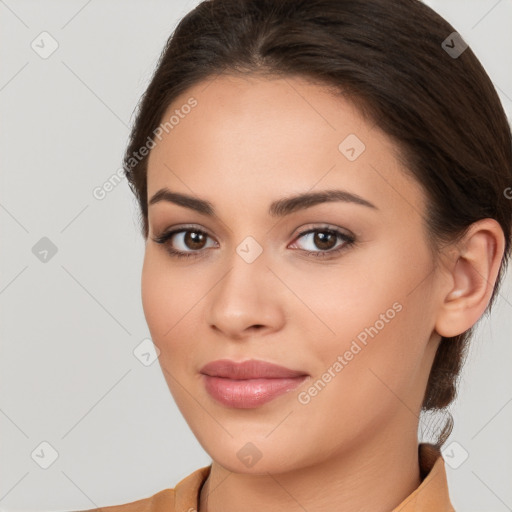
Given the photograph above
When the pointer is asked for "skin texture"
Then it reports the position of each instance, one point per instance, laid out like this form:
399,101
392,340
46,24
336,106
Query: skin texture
250,141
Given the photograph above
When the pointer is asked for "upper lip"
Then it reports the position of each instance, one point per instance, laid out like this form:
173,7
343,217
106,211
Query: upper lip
251,369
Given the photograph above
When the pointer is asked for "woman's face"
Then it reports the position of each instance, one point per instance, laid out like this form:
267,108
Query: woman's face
351,309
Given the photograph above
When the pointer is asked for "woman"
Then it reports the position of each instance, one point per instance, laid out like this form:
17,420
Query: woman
322,188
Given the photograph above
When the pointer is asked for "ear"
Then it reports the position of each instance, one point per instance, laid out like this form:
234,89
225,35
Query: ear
471,275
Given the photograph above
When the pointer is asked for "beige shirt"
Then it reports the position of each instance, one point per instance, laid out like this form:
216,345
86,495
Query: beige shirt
431,495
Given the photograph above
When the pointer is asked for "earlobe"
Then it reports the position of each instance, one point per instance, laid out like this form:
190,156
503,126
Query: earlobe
472,278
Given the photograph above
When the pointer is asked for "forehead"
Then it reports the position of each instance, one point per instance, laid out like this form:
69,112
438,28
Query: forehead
240,116
264,137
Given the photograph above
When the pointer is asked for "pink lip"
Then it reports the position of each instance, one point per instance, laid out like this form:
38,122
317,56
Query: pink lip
250,383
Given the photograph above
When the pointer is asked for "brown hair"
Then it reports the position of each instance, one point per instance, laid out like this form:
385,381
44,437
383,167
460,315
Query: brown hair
441,110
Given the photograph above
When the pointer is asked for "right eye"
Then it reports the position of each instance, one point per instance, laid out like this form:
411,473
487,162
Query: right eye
190,241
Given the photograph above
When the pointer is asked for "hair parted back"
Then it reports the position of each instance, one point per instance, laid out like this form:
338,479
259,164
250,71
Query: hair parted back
443,113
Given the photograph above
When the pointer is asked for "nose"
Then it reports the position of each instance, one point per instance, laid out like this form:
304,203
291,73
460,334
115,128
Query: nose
247,299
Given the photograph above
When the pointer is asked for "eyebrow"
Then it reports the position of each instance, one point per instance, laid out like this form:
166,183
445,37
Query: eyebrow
278,208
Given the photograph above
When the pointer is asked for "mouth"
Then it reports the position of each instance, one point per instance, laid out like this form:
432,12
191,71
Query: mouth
248,384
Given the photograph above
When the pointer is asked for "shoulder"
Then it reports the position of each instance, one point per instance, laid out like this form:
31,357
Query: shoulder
159,502
184,496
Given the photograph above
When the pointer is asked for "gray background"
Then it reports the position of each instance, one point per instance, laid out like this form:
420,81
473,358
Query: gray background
69,326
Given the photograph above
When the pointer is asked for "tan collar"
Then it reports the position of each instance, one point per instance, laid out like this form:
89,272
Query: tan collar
431,495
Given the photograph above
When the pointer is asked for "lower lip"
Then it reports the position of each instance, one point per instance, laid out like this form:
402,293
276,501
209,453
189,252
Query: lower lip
249,393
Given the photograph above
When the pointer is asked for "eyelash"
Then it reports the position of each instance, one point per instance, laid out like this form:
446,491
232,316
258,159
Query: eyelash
347,239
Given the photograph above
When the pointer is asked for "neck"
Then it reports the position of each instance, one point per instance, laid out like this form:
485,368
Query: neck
377,476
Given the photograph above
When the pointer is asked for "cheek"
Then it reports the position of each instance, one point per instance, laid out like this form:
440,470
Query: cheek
168,308
172,297
154,298
344,300
372,308
165,298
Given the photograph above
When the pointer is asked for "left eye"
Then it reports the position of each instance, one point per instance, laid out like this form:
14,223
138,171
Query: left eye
325,240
